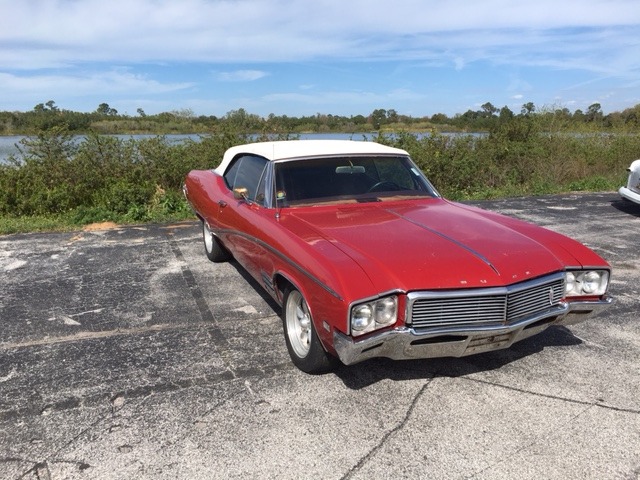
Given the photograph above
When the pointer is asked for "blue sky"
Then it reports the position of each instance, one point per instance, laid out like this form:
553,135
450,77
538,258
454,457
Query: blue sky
302,57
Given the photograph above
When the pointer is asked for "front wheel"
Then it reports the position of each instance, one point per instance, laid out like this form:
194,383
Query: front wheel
305,349
212,246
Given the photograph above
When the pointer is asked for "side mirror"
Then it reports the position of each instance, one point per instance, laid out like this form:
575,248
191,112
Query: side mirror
240,193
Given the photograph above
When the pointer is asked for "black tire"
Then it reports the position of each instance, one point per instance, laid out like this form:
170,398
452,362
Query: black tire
303,344
212,246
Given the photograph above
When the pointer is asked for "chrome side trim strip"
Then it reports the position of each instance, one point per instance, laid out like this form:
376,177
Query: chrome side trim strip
282,256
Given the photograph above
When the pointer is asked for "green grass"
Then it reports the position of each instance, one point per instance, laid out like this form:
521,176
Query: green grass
69,222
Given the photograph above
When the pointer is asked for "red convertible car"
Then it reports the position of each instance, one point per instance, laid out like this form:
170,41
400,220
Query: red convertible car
368,260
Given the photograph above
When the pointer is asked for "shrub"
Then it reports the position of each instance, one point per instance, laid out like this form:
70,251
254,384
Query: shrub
98,177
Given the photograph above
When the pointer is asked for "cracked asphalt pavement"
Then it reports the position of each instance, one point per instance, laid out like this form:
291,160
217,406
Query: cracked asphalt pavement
125,353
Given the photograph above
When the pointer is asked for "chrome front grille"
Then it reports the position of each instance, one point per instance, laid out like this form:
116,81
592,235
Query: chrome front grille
443,312
533,300
484,306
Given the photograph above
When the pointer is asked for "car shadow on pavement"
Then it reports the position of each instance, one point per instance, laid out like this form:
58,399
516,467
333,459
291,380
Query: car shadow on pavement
259,289
626,206
372,371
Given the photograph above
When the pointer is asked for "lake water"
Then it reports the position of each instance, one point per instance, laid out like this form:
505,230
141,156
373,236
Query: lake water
8,146
8,143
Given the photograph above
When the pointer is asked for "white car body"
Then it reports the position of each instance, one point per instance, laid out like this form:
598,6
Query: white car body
632,190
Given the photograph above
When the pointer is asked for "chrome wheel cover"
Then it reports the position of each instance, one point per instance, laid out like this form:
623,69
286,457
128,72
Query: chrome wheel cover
208,237
298,321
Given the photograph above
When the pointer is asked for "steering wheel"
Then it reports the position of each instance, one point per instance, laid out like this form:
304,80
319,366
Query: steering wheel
384,186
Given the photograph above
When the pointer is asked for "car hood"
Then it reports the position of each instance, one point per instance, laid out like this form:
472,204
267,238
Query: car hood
436,244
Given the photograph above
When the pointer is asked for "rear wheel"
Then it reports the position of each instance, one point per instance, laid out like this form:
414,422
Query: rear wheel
212,246
305,349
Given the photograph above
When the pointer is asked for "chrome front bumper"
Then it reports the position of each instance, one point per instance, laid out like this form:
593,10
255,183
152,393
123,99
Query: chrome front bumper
405,343
629,194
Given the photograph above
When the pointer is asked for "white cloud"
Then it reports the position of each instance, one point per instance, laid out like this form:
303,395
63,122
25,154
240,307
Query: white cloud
44,34
64,49
241,76
108,82
30,90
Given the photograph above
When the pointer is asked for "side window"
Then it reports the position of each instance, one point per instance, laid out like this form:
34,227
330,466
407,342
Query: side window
230,175
246,172
261,197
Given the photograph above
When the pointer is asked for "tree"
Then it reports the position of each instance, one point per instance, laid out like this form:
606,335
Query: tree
185,113
242,119
489,110
594,112
378,117
105,109
527,109
505,114
141,112
439,118
52,106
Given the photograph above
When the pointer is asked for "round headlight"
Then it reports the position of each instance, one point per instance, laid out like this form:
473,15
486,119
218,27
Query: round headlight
571,282
386,310
361,317
591,282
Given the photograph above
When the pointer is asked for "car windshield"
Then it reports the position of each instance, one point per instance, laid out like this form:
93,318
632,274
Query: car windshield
349,179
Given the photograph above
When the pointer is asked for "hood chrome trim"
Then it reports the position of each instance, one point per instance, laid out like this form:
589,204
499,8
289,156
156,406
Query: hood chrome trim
448,238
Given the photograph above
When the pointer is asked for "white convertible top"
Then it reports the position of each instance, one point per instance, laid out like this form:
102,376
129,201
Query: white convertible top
285,149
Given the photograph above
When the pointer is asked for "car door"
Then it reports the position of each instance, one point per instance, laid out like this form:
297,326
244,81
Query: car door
240,218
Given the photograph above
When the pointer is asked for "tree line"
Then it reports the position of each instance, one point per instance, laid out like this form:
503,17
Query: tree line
107,120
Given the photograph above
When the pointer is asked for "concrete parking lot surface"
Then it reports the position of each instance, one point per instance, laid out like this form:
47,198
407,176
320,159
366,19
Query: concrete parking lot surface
125,353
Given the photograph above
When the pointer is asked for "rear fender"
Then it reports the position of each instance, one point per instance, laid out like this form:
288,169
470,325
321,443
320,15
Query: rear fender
203,190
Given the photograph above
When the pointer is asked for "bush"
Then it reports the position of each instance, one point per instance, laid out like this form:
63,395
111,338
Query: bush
100,177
